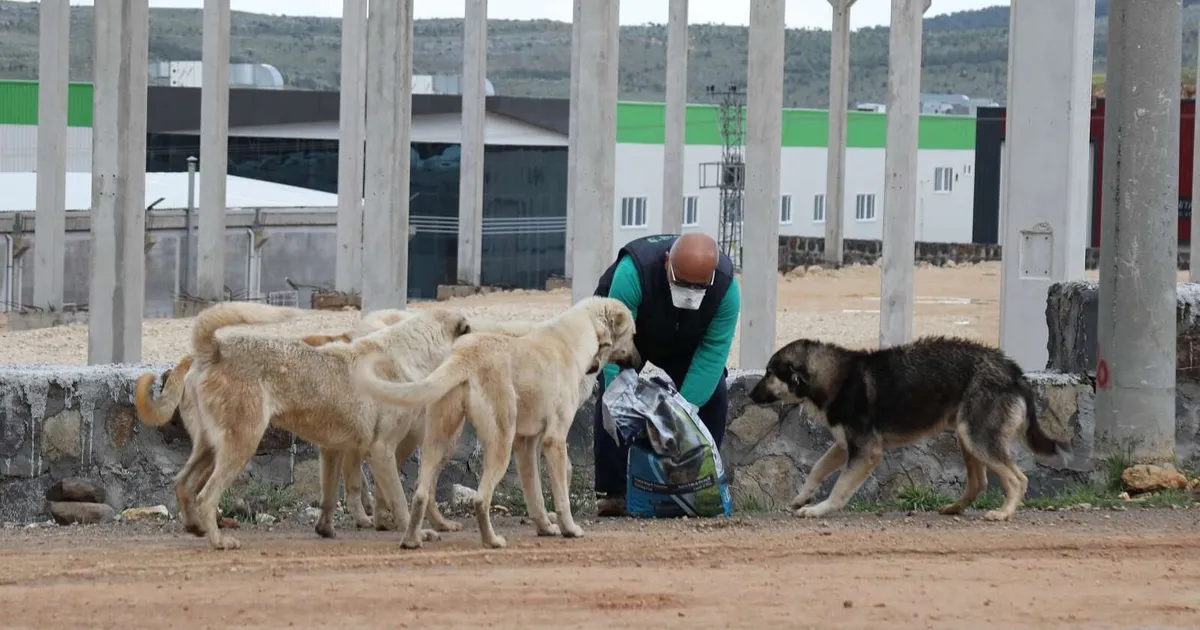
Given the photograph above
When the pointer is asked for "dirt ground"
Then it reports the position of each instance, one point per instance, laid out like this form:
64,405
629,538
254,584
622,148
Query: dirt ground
840,306
1090,569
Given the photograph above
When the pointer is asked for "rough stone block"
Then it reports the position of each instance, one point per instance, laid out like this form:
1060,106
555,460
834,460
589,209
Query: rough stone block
1072,317
69,513
78,490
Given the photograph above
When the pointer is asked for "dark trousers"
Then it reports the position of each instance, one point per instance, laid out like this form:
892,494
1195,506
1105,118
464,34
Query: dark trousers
611,459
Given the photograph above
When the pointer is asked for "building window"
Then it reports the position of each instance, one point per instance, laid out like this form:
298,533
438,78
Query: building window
691,211
943,179
819,209
864,207
785,209
633,212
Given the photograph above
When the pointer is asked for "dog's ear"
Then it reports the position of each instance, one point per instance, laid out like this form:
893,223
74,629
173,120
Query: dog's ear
463,327
617,317
604,338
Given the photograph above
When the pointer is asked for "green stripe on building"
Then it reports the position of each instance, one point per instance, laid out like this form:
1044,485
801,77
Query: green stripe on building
19,103
637,123
643,123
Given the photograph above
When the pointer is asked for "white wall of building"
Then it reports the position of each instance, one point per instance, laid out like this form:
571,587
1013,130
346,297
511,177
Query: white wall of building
18,149
942,215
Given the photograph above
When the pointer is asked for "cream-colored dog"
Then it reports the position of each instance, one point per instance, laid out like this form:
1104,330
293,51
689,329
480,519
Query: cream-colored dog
241,383
519,392
191,478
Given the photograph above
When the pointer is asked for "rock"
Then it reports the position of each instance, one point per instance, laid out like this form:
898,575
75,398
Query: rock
754,424
797,272
227,523
950,264
766,483
461,496
60,435
73,512
264,519
312,513
157,512
1149,478
76,489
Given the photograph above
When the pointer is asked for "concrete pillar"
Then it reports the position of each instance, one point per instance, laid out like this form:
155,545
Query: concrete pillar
117,293
389,129
900,172
50,229
676,117
474,122
764,138
1194,243
214,151
352,131
595,177
1046,165
839,107
1135,372
573,141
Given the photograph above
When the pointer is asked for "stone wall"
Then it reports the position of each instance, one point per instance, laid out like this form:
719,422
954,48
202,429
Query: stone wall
58,422
807,250
1072,319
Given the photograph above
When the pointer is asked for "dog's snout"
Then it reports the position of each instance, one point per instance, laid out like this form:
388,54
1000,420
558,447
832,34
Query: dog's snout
761,394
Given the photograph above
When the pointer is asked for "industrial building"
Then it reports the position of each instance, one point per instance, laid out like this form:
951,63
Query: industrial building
291,138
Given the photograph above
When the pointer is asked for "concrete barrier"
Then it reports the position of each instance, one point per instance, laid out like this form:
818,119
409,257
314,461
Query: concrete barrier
58,422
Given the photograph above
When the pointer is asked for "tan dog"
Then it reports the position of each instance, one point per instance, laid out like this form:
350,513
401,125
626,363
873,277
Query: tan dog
243,383
521,392
190,479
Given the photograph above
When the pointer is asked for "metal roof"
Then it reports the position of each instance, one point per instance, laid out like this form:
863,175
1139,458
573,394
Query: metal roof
20,192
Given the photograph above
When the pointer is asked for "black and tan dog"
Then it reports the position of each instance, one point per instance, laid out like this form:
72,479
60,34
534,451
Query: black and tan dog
883,399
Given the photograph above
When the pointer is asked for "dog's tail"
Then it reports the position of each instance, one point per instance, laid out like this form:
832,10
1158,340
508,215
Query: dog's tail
1035,437
432,388
205,348
157,412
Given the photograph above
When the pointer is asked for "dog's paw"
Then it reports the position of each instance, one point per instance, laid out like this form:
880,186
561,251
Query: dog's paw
950,509
409,543
364,523
996,515
428,535
325,529
550,529
449,526
813,511
572,531
800,501
497,542
195,529
227,543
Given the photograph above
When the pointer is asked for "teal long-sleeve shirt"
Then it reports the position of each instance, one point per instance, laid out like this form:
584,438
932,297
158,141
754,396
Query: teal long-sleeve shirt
709,360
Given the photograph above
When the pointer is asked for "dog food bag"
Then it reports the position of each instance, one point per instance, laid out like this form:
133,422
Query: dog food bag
674,469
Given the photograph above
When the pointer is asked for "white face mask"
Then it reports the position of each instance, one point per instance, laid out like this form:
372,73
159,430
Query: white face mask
685,298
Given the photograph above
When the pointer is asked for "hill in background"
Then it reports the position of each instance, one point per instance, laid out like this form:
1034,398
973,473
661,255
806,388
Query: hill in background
965,52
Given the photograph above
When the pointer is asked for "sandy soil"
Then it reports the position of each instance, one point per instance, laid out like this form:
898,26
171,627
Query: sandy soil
840,306
1136,569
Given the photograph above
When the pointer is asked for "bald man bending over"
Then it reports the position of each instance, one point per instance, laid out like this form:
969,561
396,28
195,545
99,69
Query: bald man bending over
685,300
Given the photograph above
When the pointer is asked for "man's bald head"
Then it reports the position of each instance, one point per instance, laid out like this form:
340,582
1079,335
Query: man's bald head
693,258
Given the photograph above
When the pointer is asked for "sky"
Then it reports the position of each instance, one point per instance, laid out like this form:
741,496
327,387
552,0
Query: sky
800,13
